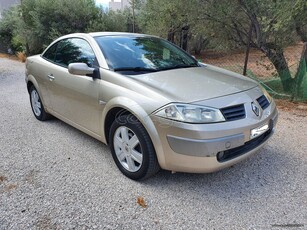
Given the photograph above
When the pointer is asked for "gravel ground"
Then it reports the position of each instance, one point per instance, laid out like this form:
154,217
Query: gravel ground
52,176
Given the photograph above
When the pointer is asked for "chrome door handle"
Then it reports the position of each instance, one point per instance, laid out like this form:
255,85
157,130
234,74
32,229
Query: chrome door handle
51,77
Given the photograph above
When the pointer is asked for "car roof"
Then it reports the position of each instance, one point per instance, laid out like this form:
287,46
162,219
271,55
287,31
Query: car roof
99,34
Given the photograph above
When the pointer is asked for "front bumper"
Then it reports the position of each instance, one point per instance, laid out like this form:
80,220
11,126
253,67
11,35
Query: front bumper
203,148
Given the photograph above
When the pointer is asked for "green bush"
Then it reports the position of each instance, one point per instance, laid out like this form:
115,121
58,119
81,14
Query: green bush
16,44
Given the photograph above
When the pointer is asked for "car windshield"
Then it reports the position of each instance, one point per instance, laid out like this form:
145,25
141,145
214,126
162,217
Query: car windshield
143,54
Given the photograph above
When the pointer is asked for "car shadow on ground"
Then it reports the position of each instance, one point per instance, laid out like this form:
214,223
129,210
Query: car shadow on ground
255,175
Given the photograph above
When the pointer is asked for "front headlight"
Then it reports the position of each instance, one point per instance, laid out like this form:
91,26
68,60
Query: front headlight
190,113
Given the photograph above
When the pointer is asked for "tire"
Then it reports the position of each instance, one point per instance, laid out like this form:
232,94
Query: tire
37,105
132,148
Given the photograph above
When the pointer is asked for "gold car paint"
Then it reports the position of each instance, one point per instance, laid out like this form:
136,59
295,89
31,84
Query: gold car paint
113,90
204,164
76,97
40,80
142,116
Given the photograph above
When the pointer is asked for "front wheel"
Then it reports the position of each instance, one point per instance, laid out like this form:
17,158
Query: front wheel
37,105
132,149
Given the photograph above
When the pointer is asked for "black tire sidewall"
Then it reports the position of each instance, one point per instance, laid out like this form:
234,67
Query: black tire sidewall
147,148
42,116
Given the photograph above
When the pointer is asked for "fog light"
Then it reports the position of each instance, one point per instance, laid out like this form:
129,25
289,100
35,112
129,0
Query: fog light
220,156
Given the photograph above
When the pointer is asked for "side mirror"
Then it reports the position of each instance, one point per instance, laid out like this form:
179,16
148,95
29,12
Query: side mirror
80,69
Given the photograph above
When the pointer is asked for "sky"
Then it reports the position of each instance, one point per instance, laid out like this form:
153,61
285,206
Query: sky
104,2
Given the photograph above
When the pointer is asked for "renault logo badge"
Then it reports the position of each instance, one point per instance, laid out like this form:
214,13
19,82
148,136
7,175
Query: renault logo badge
255,109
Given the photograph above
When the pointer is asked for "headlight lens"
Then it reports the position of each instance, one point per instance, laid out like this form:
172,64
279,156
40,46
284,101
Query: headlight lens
190,113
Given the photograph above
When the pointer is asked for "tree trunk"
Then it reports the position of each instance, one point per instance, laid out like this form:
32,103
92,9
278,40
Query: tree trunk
28,52
133,16
197,44
280,63
184,37
171,35
274,53
301,32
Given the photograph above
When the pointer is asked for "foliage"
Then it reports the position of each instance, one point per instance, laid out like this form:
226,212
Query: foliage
35,23
178,21
8,25
272,24
194,25
299,12
44,20
118,20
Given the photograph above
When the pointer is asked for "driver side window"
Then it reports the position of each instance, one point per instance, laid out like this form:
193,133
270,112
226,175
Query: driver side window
72,50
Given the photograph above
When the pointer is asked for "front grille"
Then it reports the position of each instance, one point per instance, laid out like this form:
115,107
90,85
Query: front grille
233,113
248,146
263,102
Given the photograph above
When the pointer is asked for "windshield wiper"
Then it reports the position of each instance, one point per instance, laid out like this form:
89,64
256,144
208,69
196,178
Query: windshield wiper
179,66
135,69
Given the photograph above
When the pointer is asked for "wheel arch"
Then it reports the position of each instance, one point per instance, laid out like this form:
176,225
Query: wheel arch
31,81
110,117
29,85
123,106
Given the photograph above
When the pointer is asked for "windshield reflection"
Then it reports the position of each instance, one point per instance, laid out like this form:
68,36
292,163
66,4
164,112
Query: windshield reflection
143,54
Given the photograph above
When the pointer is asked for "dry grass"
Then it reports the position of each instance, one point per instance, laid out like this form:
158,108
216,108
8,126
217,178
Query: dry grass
10,187
12,57
21,56
298,108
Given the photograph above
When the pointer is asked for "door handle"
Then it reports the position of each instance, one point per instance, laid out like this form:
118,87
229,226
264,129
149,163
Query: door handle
51,77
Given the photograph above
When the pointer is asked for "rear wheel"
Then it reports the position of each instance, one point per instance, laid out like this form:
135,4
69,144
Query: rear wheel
37,105
132,149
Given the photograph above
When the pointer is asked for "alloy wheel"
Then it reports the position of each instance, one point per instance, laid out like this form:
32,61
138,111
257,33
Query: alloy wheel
128,149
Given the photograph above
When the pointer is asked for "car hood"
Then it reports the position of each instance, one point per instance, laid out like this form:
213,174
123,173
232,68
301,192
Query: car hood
195,84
